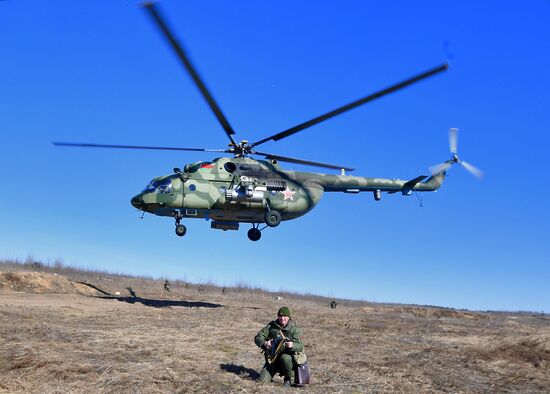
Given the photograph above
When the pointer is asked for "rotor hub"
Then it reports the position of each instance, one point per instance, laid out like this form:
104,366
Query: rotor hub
242,149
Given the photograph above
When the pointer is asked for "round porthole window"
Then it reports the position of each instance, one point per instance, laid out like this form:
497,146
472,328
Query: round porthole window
192,187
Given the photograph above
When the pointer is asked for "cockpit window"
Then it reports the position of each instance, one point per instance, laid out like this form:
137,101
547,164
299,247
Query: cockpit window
151,187
165,186
161,186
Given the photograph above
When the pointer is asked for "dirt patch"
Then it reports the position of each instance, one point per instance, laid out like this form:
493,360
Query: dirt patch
42,283
531,349
438,313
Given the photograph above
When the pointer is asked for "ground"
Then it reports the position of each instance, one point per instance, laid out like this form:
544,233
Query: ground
71,337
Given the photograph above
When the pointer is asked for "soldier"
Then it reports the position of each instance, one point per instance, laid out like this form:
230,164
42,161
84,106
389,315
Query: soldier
283,327
166,285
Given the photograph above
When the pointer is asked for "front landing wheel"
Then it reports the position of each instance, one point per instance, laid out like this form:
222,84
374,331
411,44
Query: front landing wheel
181,230
254,234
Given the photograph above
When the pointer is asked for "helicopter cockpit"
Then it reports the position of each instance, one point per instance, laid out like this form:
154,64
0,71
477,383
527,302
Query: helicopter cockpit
160,186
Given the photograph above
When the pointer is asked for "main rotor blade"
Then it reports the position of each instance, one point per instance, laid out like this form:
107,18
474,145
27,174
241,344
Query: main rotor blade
472,170
354,104
155,15
300,161
86,145
453,140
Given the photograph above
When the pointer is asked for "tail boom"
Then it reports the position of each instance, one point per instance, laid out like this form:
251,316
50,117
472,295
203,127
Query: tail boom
356,184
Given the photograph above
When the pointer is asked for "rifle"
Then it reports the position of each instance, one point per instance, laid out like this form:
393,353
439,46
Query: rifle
277,347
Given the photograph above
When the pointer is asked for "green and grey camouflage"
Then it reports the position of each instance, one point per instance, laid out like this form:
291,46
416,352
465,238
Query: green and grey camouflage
229,191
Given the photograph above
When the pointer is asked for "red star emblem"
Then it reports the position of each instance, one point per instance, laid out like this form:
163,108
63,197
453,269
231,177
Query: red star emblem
288,194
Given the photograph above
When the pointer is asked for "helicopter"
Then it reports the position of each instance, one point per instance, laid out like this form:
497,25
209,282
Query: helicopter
237,189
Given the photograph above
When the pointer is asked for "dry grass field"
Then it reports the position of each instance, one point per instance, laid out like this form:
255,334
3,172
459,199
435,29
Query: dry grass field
127,334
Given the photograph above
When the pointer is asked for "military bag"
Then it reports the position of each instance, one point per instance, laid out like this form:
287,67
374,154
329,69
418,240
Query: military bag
301,374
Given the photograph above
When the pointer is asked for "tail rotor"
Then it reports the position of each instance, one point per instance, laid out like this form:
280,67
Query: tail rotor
471,169
453,144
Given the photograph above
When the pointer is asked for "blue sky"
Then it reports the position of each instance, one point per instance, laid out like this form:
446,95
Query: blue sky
100,72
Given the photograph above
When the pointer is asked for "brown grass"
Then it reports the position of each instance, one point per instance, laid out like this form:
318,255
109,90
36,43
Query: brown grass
191,340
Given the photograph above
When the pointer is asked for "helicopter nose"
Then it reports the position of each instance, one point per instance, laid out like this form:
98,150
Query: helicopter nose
137,201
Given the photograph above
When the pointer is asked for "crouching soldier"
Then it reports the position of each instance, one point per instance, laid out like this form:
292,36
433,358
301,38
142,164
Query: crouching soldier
283,348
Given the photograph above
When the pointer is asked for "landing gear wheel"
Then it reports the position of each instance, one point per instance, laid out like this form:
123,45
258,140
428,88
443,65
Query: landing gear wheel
181,230
254,234
272,218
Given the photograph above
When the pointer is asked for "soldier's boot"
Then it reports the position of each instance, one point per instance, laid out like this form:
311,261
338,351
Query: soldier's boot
266,374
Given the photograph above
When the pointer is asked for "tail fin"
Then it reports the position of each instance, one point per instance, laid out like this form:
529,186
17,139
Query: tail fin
434,182
408,187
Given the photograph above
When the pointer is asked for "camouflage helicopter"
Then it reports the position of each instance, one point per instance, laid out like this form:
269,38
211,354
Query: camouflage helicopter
239,189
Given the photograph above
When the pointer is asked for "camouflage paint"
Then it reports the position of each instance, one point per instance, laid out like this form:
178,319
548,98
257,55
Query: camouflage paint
200,190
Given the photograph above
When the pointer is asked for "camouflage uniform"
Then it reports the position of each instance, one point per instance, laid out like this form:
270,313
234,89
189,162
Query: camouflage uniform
284,363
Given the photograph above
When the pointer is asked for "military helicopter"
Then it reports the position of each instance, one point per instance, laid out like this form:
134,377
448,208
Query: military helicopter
239,189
